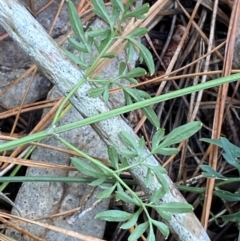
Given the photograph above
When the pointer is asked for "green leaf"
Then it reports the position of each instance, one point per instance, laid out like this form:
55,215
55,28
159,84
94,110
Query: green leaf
128,99
106,93
96,92
102,33
231,160
156,167
124,163
141,94
132,221
97,45
109,55
106,193
166,151
181,133
129,140
75,59
228,196
77,45
151,115
76,24
157,195
129,154
115,14
130,52
163,228
114,216
199,190
176,207
138,32
148,178
102,45
151,235
210,172
100,10
113,157
161,178
117,4
141,144
122,68
136,72
137,95
90,40
158,171
235,217
157,137
212,141
98,182
139,230
220,142
163,214
86,168
233,148
137,12
127,198
132,81
129,3
119,189
82,58
145,54
228,181
230,154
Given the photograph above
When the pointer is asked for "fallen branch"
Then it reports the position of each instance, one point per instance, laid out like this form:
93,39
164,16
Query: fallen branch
34,40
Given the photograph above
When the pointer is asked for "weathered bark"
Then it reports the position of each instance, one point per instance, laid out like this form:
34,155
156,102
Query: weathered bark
33,39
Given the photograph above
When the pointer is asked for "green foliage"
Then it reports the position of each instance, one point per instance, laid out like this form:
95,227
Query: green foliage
161,227
77,26
137,13
181,133
211,173
95,172
135,150
175,207
231,152
114,216
139,230
235,217
135,95
132,220
86,168
231,155
144,54
101,39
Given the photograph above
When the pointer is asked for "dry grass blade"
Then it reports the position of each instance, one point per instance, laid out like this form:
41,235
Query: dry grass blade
32,163
15,226
220,107
20,107
41,125
29,107
51,227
